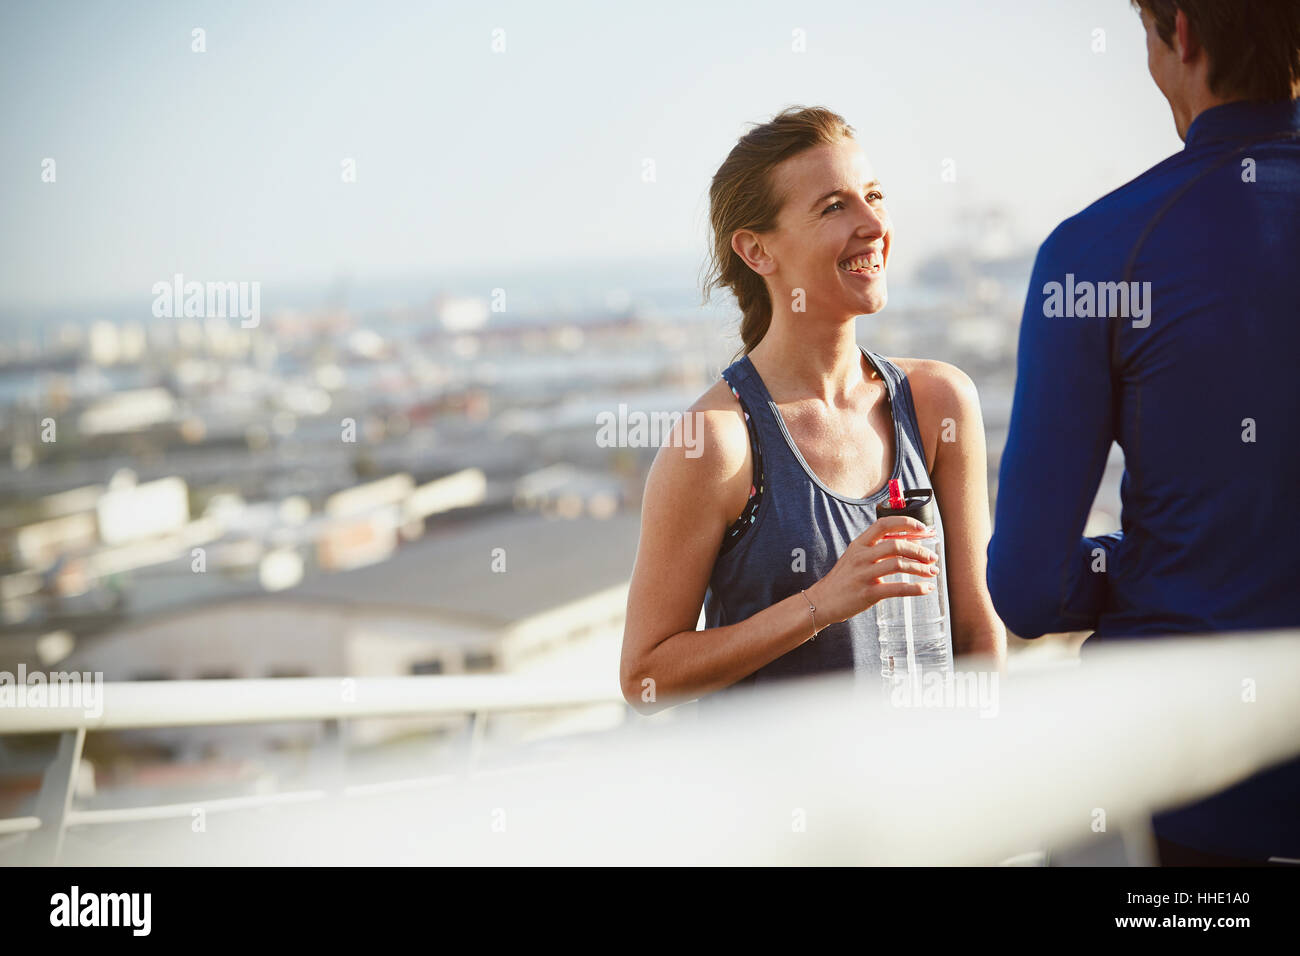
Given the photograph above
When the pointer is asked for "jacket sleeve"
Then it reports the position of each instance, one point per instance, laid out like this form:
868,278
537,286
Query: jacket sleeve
1043,575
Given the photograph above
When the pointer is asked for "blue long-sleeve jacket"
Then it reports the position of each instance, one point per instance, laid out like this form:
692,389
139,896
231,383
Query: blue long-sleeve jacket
1195,376
1190,364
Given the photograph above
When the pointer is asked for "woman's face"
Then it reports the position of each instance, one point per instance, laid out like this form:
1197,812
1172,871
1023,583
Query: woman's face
833,233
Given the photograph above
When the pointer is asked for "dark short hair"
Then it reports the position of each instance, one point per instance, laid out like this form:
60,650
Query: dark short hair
1253,45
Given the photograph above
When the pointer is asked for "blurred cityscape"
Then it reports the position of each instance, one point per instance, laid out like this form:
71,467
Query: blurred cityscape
363,489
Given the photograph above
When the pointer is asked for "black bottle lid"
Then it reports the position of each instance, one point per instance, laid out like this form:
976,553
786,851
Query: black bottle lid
918,504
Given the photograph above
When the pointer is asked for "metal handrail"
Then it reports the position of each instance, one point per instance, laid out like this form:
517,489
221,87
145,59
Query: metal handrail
129,705
1133,730
187,703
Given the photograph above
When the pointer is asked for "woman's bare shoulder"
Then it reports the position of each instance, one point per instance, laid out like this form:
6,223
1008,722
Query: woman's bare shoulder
707,452
938,384
719,425
947,405
705,467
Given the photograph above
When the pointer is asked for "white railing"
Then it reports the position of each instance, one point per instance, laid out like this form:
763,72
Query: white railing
1065,758
146,704
188,703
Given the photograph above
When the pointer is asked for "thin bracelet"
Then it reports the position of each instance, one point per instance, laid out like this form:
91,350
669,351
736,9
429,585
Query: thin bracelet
812,609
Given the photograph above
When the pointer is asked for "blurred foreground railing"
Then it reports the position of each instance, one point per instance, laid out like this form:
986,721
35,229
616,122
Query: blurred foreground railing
144,704
813,773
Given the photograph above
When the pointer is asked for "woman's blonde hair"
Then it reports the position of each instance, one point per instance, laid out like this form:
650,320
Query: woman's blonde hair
742,196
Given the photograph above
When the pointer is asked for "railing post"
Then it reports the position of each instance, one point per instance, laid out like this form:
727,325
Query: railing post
477,729
1140,843
332,756
55,798
1130,844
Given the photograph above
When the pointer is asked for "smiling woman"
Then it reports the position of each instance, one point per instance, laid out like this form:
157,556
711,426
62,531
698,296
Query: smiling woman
773,527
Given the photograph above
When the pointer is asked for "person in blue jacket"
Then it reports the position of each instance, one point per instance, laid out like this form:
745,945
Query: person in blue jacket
1165,317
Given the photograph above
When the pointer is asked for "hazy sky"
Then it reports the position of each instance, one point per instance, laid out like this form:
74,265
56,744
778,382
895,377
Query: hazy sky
226,165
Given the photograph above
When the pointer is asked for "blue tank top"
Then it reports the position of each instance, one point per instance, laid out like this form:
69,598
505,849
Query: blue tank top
799,530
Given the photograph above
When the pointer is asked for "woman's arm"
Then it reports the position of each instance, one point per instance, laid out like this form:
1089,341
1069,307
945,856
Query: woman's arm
952,427
689,494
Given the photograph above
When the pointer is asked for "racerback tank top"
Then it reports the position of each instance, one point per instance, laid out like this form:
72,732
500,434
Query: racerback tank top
798,532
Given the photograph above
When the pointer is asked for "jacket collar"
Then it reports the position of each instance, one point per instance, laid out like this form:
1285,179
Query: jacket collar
1243,120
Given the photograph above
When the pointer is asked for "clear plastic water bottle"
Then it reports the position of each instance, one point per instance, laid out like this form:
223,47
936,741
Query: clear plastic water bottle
914,633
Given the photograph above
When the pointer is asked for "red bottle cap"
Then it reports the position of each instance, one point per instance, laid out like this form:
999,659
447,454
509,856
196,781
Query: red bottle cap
896,499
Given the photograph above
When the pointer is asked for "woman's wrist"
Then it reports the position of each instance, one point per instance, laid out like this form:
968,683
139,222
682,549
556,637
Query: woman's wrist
823,614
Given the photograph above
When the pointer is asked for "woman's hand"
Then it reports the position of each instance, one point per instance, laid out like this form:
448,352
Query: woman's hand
854,584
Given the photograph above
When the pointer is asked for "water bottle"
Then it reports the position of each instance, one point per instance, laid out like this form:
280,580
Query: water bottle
914,639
